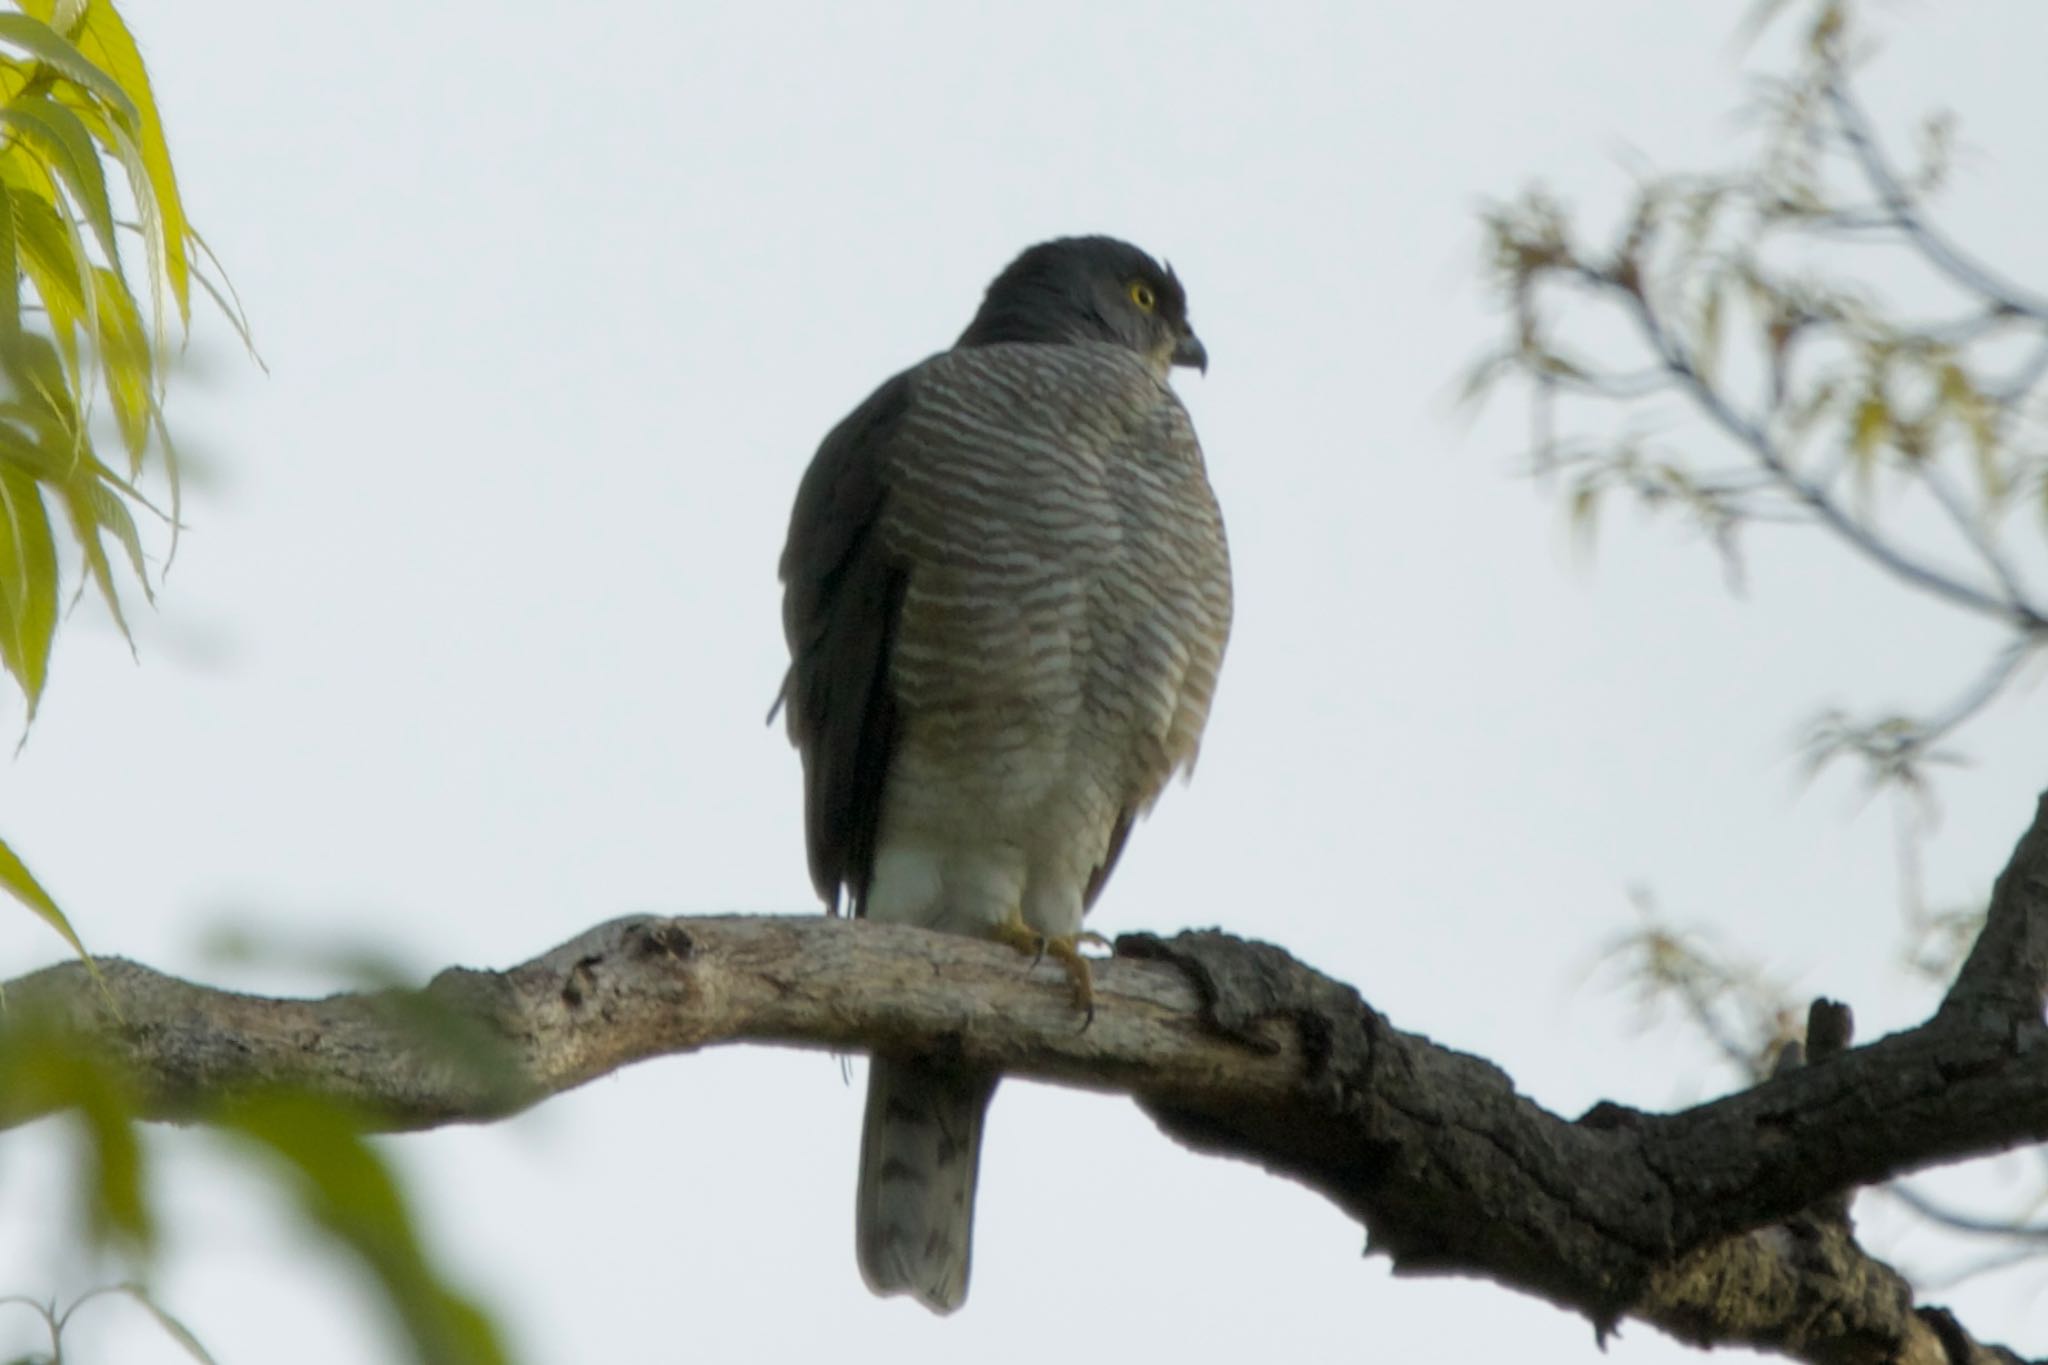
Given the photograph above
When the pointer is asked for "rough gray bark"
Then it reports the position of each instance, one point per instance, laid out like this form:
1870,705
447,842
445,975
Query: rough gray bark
1720,1224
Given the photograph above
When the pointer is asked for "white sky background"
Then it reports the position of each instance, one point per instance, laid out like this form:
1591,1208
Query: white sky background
470,642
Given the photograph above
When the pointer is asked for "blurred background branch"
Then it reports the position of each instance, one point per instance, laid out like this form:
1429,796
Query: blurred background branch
1756,380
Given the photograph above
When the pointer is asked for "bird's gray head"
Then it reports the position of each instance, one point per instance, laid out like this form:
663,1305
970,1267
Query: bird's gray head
1090,289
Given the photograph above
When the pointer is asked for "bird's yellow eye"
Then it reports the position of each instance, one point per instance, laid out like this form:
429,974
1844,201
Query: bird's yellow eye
1142,295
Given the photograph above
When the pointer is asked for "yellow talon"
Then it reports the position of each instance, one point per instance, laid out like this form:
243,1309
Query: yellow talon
1021,936
1063,949
1067,952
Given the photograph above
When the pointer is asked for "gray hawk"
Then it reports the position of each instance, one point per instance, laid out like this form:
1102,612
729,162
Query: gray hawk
1006,593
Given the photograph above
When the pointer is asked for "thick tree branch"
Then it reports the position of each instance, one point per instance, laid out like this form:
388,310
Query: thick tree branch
477,1045
2005,976
1717,1224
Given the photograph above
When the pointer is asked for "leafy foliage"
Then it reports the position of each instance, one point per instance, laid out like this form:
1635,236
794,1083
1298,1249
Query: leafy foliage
75,109
1914,439
347,1190
1915,443
75,101
314,1150
41,1066
75,105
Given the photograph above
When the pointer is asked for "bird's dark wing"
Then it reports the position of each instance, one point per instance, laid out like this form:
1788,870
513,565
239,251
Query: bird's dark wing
842,594
1099,878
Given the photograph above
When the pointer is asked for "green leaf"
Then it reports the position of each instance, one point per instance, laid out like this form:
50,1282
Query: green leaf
32,436
1977,416
105,39
68,149
115,1182
227,300
1952,384
84,510
44,1069
28,597
20,452
169,450
20,167
48,403
54,265
346,1188
1869,428
120,143
110,513
15,878
10,278
126,363
44,43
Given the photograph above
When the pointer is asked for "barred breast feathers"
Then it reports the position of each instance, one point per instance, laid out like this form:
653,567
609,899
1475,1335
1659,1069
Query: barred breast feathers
1068,554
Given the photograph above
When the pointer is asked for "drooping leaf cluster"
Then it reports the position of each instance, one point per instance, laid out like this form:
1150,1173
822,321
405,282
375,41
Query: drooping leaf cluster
75,108
81,353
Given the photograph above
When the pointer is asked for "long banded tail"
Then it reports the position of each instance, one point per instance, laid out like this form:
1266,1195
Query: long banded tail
920,1149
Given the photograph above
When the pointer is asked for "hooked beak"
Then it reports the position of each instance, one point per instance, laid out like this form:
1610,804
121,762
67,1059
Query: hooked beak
1189,350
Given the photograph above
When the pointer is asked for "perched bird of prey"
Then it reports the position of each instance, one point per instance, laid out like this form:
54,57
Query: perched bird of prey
1006,592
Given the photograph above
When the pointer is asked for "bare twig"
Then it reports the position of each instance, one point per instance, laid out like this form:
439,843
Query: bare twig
1904,208
1934,1211
1975,533
1751,435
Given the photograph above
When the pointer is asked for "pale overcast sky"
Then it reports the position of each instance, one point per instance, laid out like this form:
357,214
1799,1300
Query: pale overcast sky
470,642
